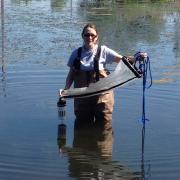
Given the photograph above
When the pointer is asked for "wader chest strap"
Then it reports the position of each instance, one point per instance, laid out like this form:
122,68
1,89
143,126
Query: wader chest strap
78,59
96,63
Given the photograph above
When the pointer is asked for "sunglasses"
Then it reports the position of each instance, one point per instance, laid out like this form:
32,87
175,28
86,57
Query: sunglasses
88,35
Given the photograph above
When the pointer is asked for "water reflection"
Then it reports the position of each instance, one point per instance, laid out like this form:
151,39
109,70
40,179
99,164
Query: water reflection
145,172
57,5
40,35
2,36
22,2
61,137
3,76
91,154
137,23
176,36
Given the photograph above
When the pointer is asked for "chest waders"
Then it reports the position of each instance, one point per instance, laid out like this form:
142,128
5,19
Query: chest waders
96,110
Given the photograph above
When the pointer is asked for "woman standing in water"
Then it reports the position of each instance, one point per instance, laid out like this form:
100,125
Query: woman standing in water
88,64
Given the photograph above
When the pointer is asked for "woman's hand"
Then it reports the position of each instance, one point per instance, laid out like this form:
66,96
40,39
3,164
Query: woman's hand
144,54
61,92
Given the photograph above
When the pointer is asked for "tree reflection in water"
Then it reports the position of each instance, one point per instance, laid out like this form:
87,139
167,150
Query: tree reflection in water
3,75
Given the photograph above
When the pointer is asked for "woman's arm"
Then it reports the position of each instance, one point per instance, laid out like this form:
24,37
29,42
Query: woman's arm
118,58
69,78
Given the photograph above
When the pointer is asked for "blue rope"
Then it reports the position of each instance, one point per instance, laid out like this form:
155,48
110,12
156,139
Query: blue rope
145,69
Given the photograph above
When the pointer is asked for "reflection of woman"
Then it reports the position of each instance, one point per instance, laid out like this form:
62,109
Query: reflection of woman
92,149
97,140
91,155
88,64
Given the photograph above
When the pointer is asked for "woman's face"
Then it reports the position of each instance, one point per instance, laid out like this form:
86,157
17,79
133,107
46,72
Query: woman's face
90,37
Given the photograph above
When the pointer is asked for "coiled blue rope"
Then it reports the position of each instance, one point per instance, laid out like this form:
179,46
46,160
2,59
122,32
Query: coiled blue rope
145,69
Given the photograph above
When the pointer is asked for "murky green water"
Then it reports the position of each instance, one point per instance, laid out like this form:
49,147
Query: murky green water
37,38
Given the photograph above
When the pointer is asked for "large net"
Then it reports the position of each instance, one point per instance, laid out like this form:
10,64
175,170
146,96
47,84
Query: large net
123,73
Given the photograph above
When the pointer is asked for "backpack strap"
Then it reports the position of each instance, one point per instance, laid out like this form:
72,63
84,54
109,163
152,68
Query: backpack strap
96,62
77,63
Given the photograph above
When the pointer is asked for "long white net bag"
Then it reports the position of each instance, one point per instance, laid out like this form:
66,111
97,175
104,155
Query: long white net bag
123,73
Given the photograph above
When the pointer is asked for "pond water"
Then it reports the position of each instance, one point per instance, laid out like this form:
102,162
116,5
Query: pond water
37,37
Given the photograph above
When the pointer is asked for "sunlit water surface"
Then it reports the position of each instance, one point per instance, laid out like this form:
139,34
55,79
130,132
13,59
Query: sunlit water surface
37,38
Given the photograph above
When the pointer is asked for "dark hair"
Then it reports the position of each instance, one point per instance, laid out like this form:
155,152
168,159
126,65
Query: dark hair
89,26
